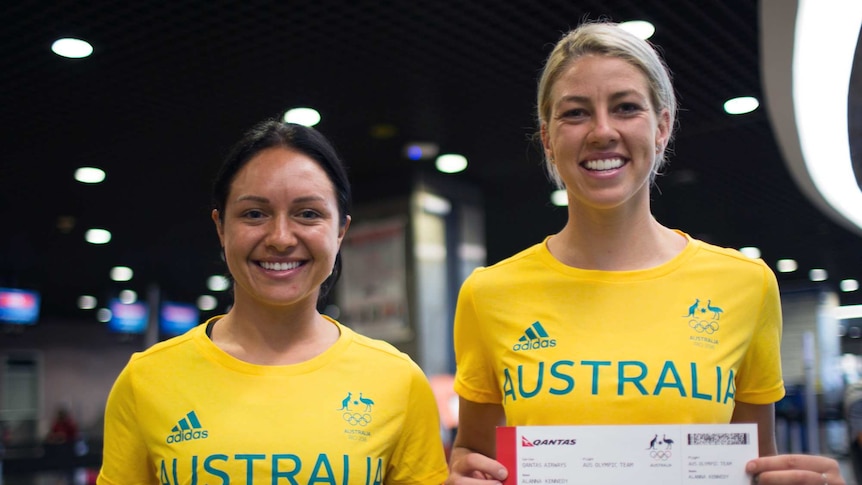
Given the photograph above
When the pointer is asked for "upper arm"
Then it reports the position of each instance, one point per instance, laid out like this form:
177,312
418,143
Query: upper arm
764,416
477,423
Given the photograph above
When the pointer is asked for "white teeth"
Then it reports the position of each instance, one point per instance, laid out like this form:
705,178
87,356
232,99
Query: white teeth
279,266
607,164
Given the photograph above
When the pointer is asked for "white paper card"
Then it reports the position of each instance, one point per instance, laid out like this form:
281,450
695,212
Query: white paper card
661,454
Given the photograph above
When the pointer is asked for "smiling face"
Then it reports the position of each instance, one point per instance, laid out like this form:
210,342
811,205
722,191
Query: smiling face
280,229
603,133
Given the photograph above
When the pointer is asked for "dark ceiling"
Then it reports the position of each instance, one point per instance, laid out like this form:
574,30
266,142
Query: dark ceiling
171,85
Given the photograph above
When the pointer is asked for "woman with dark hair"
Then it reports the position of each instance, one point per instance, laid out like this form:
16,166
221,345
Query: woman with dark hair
273,389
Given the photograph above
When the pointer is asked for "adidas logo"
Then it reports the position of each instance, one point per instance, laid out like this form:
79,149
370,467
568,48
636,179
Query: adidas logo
535,337
187,429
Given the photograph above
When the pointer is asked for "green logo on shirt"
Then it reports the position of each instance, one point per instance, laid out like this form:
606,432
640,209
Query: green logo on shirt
187,429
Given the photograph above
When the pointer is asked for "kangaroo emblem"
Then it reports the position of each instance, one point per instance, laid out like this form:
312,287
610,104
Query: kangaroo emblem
345,403
693,308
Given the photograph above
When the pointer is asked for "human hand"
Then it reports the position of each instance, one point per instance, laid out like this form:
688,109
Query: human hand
473,468
795,470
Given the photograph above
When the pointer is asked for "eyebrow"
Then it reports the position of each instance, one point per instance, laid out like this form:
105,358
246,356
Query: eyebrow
297,200
573,98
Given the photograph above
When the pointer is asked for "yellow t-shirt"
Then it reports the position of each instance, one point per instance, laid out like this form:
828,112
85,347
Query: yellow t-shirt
678,343
185,412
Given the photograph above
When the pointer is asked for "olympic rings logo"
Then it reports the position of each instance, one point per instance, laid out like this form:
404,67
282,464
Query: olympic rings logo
357,419
662,455
704,326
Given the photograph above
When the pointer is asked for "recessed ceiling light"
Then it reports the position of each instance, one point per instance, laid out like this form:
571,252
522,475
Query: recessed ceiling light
207,302
818,274
89,175
127,297
218,283
104,315
849,285
640,28
302,116
560,198
741,105
451,163
787,265
72,48
121,273
87,302
97,236
750,251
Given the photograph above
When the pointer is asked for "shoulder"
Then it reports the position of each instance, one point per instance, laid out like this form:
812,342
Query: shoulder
167,350
730,258
376,352
535,256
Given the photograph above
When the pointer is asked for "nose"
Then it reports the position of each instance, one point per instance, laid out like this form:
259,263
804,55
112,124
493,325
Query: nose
281,234
603,131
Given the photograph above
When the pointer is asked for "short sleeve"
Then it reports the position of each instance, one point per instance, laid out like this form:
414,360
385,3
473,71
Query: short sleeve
125,457
760,380
474,375
419,457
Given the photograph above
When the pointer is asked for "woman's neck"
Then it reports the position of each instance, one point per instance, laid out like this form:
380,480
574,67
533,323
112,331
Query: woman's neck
615,241
273,336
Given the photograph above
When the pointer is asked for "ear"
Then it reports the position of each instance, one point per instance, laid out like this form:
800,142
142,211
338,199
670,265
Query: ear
546,144
663,130
219,226
342,231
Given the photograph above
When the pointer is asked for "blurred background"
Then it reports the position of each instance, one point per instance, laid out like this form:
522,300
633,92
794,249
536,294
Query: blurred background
162,90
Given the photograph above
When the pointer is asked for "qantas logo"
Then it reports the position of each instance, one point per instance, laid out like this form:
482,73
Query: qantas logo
562,442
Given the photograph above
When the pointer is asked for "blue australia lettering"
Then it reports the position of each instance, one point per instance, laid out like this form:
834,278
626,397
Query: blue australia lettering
624,377
217,469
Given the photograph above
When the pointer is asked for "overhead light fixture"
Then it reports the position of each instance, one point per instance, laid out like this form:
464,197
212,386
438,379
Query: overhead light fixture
750,251
451,163
741,105
89,175
302,116
206,303
121,273
218,283
72,48
127,297
787,265
87,302
822,62
97,236
560,198
103,315
806,89
849,285
640,28
818,274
